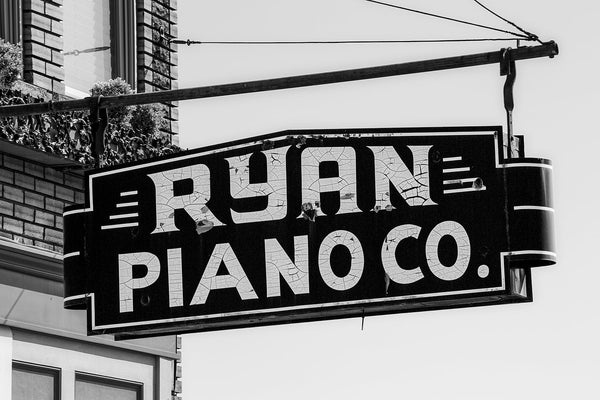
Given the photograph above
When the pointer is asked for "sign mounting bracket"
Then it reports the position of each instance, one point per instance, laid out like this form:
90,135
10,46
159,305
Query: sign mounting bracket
98,121
508,68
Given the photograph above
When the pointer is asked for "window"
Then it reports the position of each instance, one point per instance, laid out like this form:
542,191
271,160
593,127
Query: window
93,387
10,21
99,43
35,382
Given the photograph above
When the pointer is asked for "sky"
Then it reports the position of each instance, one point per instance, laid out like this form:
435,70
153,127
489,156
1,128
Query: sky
547,349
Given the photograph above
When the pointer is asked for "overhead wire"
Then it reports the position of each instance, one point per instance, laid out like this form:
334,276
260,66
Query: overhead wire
524,35
532,36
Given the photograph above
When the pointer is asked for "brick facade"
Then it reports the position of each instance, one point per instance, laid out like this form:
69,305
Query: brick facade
42,44
32,197
156,56
156,23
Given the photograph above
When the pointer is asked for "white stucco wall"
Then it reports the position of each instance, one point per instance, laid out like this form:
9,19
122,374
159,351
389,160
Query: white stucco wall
72,357
6,352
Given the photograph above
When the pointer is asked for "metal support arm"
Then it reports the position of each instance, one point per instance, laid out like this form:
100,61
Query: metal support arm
549,49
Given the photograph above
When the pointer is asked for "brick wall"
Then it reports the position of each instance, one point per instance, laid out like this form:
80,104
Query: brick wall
157,57
32,197
42,44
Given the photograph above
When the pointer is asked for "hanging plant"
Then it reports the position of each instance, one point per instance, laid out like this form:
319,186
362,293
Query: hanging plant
114,87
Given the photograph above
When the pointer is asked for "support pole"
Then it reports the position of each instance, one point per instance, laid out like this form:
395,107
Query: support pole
549,49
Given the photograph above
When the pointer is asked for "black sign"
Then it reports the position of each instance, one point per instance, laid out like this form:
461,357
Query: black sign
307,225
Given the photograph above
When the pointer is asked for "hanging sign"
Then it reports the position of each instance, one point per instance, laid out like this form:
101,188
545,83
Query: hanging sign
308,225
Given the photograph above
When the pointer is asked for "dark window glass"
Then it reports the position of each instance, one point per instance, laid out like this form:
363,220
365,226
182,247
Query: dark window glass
92,387
35,382
122,38
10,21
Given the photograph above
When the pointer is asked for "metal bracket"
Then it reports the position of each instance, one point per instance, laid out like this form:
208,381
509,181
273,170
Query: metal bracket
508,69
98,122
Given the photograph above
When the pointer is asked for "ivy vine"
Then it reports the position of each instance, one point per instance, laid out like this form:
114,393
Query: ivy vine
133,133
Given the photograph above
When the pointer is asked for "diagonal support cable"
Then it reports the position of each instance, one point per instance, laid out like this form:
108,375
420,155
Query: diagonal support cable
516,34
529,34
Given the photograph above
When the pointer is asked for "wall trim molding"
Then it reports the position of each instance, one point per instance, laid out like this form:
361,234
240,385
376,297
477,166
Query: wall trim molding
30,260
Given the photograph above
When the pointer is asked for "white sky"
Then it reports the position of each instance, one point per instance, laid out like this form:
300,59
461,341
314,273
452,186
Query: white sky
547,349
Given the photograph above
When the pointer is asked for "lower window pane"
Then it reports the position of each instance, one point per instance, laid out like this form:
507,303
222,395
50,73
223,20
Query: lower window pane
88,387
33,382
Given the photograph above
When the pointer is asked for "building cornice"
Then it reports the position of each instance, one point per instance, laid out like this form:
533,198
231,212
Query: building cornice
31,260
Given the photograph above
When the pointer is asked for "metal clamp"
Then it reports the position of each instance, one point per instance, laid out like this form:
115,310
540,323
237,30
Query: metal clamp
508,69
98,122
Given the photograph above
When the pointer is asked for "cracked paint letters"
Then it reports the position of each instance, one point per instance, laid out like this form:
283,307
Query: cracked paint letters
345,183
458,233
236,277
388,255
194,203
351,242
126,281
275,187
175,278
390,169
278,263
291,264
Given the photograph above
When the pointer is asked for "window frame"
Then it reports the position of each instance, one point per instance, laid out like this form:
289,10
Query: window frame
123,39
56,373
138,387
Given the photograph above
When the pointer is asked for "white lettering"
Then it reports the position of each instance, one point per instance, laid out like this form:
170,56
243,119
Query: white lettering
275,187
345,183
390,169
278,263
351,242
458,233
388,255
175,277
193,203
126,281
236,277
